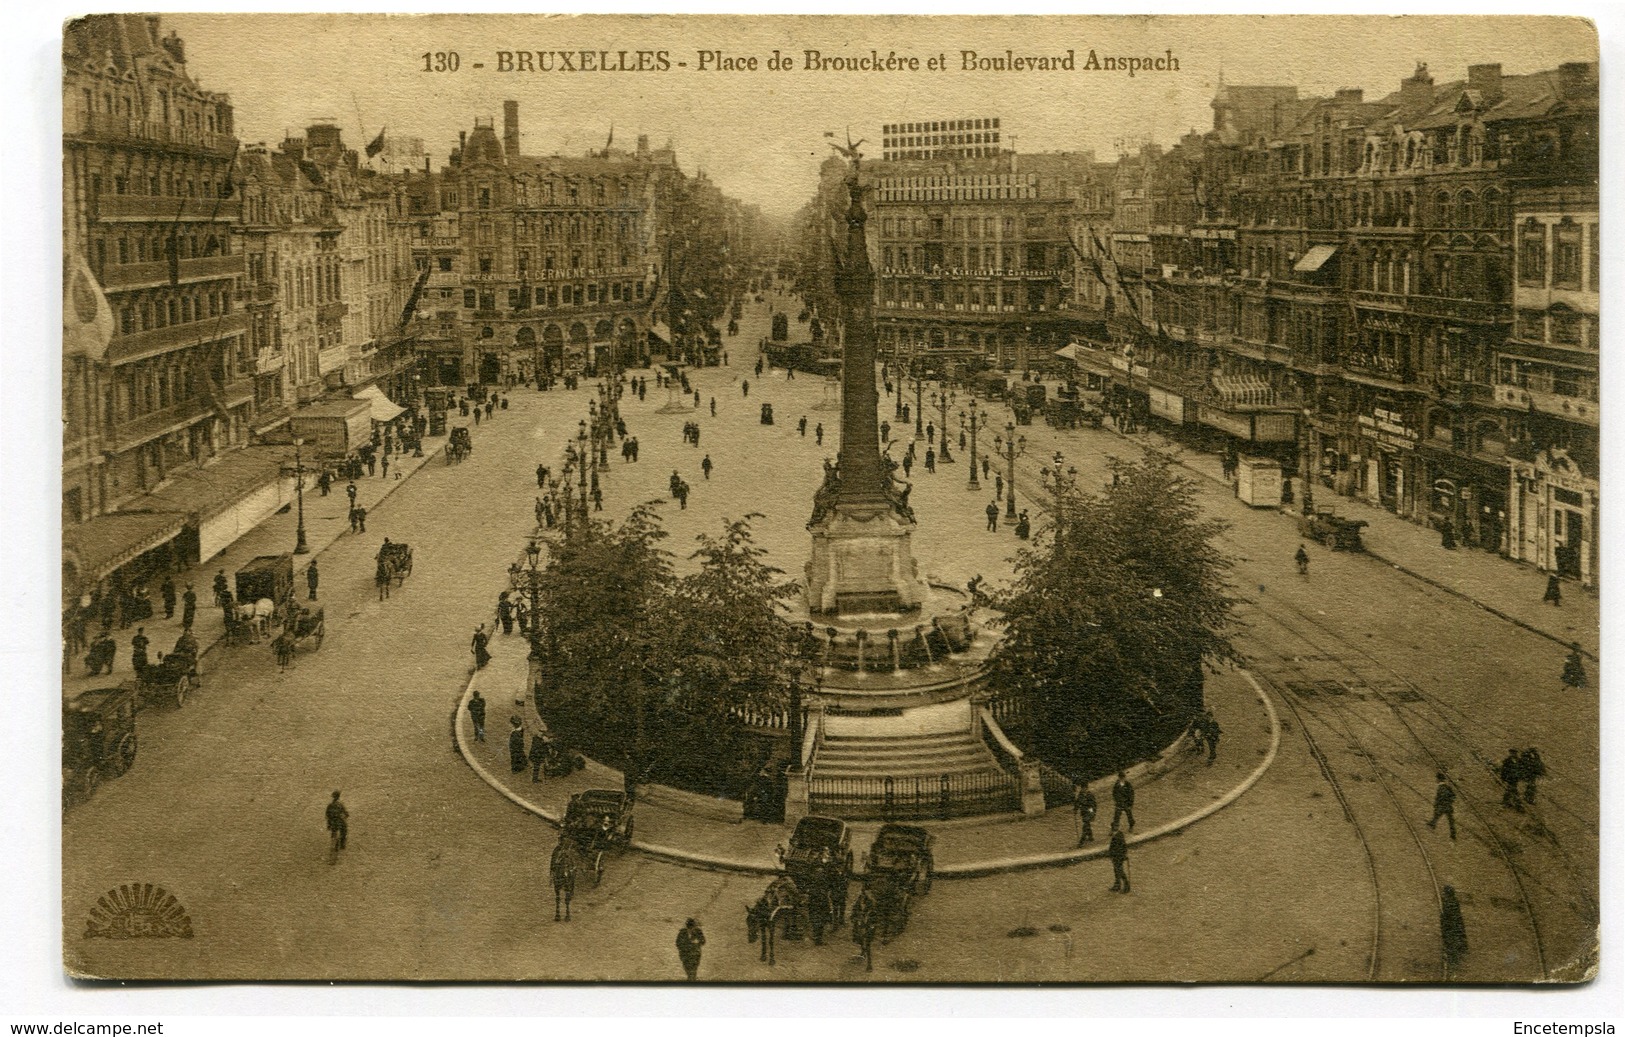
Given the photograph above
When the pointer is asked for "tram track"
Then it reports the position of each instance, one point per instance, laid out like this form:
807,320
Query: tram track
1365,680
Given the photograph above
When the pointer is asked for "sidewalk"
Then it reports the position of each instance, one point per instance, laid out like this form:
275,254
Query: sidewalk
326,520
1508,589
1171,793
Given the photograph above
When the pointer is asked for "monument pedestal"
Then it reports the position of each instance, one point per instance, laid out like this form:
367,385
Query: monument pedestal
862,561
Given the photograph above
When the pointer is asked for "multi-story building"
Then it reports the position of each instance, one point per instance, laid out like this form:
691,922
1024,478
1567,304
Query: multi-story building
555,259
976,259
150,209
933,140
1334,277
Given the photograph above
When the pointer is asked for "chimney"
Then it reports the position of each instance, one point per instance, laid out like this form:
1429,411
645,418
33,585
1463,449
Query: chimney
426,168
643,144
510,129
462,140
1418,89
1350,95
294,148
322,136
1486,79
173,44
1575,82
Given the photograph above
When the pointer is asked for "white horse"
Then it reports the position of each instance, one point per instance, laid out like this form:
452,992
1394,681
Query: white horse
257,616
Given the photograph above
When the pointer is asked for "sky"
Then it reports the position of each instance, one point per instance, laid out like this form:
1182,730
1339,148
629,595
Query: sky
759,133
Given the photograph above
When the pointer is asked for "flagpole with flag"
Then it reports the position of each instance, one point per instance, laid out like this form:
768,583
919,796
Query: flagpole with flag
376,145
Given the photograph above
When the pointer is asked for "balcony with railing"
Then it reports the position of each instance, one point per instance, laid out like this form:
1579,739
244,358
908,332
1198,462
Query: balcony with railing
132,432
121,129
166,208
124,276
1378,366
1576,400
1476,310
142,344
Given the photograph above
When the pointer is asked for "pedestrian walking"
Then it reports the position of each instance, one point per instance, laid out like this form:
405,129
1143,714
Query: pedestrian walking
1554,590
541,477
338,827
372,464
885,431
1444,804
138,650
689,941
1084,805
993,516
1511,775
597,499
744,386
538,755
167,592
930,460
312,577
908,465
930,433
476,714
478,645
516,745
1574,670
713,406
1117,850
505,613
353,525
385,466
1024,526
986,464
682,495
476,415
1452,928
705,466
188,607
818,434
222,589
361,518
998,486
350,490
1211,731
634,442
1122,801
1302,558
1534,768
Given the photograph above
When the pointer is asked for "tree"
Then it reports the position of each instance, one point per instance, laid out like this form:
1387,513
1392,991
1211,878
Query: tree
732,654
1115,611
602,589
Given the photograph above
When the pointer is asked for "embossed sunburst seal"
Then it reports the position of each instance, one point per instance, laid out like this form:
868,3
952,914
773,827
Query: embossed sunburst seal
138,911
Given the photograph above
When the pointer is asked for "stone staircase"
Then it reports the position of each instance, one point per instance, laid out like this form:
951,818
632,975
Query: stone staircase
903,756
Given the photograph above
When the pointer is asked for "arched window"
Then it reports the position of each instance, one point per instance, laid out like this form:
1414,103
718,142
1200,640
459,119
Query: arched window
1466,209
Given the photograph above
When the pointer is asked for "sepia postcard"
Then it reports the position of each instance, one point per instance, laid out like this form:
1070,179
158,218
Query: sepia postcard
833,500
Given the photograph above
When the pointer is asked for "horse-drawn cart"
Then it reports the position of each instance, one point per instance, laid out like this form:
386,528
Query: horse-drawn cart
820,861
171,678
899,868
397,559
598,821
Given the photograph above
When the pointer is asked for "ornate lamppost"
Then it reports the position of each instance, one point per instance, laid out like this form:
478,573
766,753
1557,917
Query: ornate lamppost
943,400
299,545
1010,446
971,426
1062,483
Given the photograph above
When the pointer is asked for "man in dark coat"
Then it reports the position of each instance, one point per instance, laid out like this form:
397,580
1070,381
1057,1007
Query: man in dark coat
167,591
1511,774
1083,803
338,825
138,650
1452,927
516,746
312,578
992,515
222,589
476,713
1123,801
1210,728
1534,768
1444,803
690,939
538,755
1118,852
188,606
1554,590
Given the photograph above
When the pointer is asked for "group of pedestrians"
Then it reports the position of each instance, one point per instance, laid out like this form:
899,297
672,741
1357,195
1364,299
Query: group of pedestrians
1085,806
1519,772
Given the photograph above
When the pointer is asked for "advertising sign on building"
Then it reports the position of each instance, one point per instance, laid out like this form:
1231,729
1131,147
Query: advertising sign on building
1165,404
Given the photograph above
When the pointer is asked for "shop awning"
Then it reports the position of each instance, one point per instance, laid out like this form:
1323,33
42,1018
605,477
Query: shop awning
99,547
1314,259
199,493
1068,351
382,407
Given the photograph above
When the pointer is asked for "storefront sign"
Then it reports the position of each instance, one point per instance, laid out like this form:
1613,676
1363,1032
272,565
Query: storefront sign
1388,428
1236,424
1165,404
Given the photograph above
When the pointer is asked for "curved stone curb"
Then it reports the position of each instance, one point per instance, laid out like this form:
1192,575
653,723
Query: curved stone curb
995,866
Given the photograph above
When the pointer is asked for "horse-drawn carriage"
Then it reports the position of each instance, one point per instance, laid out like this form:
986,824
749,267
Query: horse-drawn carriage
172,678
598,821
305,628
459,446
98,740
264,589
595,822
395,559
898,868
820,861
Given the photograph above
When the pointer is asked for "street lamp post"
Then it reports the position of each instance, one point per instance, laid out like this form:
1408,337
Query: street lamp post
971,425
583,457
943,400
533,574
1062,483
1309,465
919,398
1010,446
299,545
